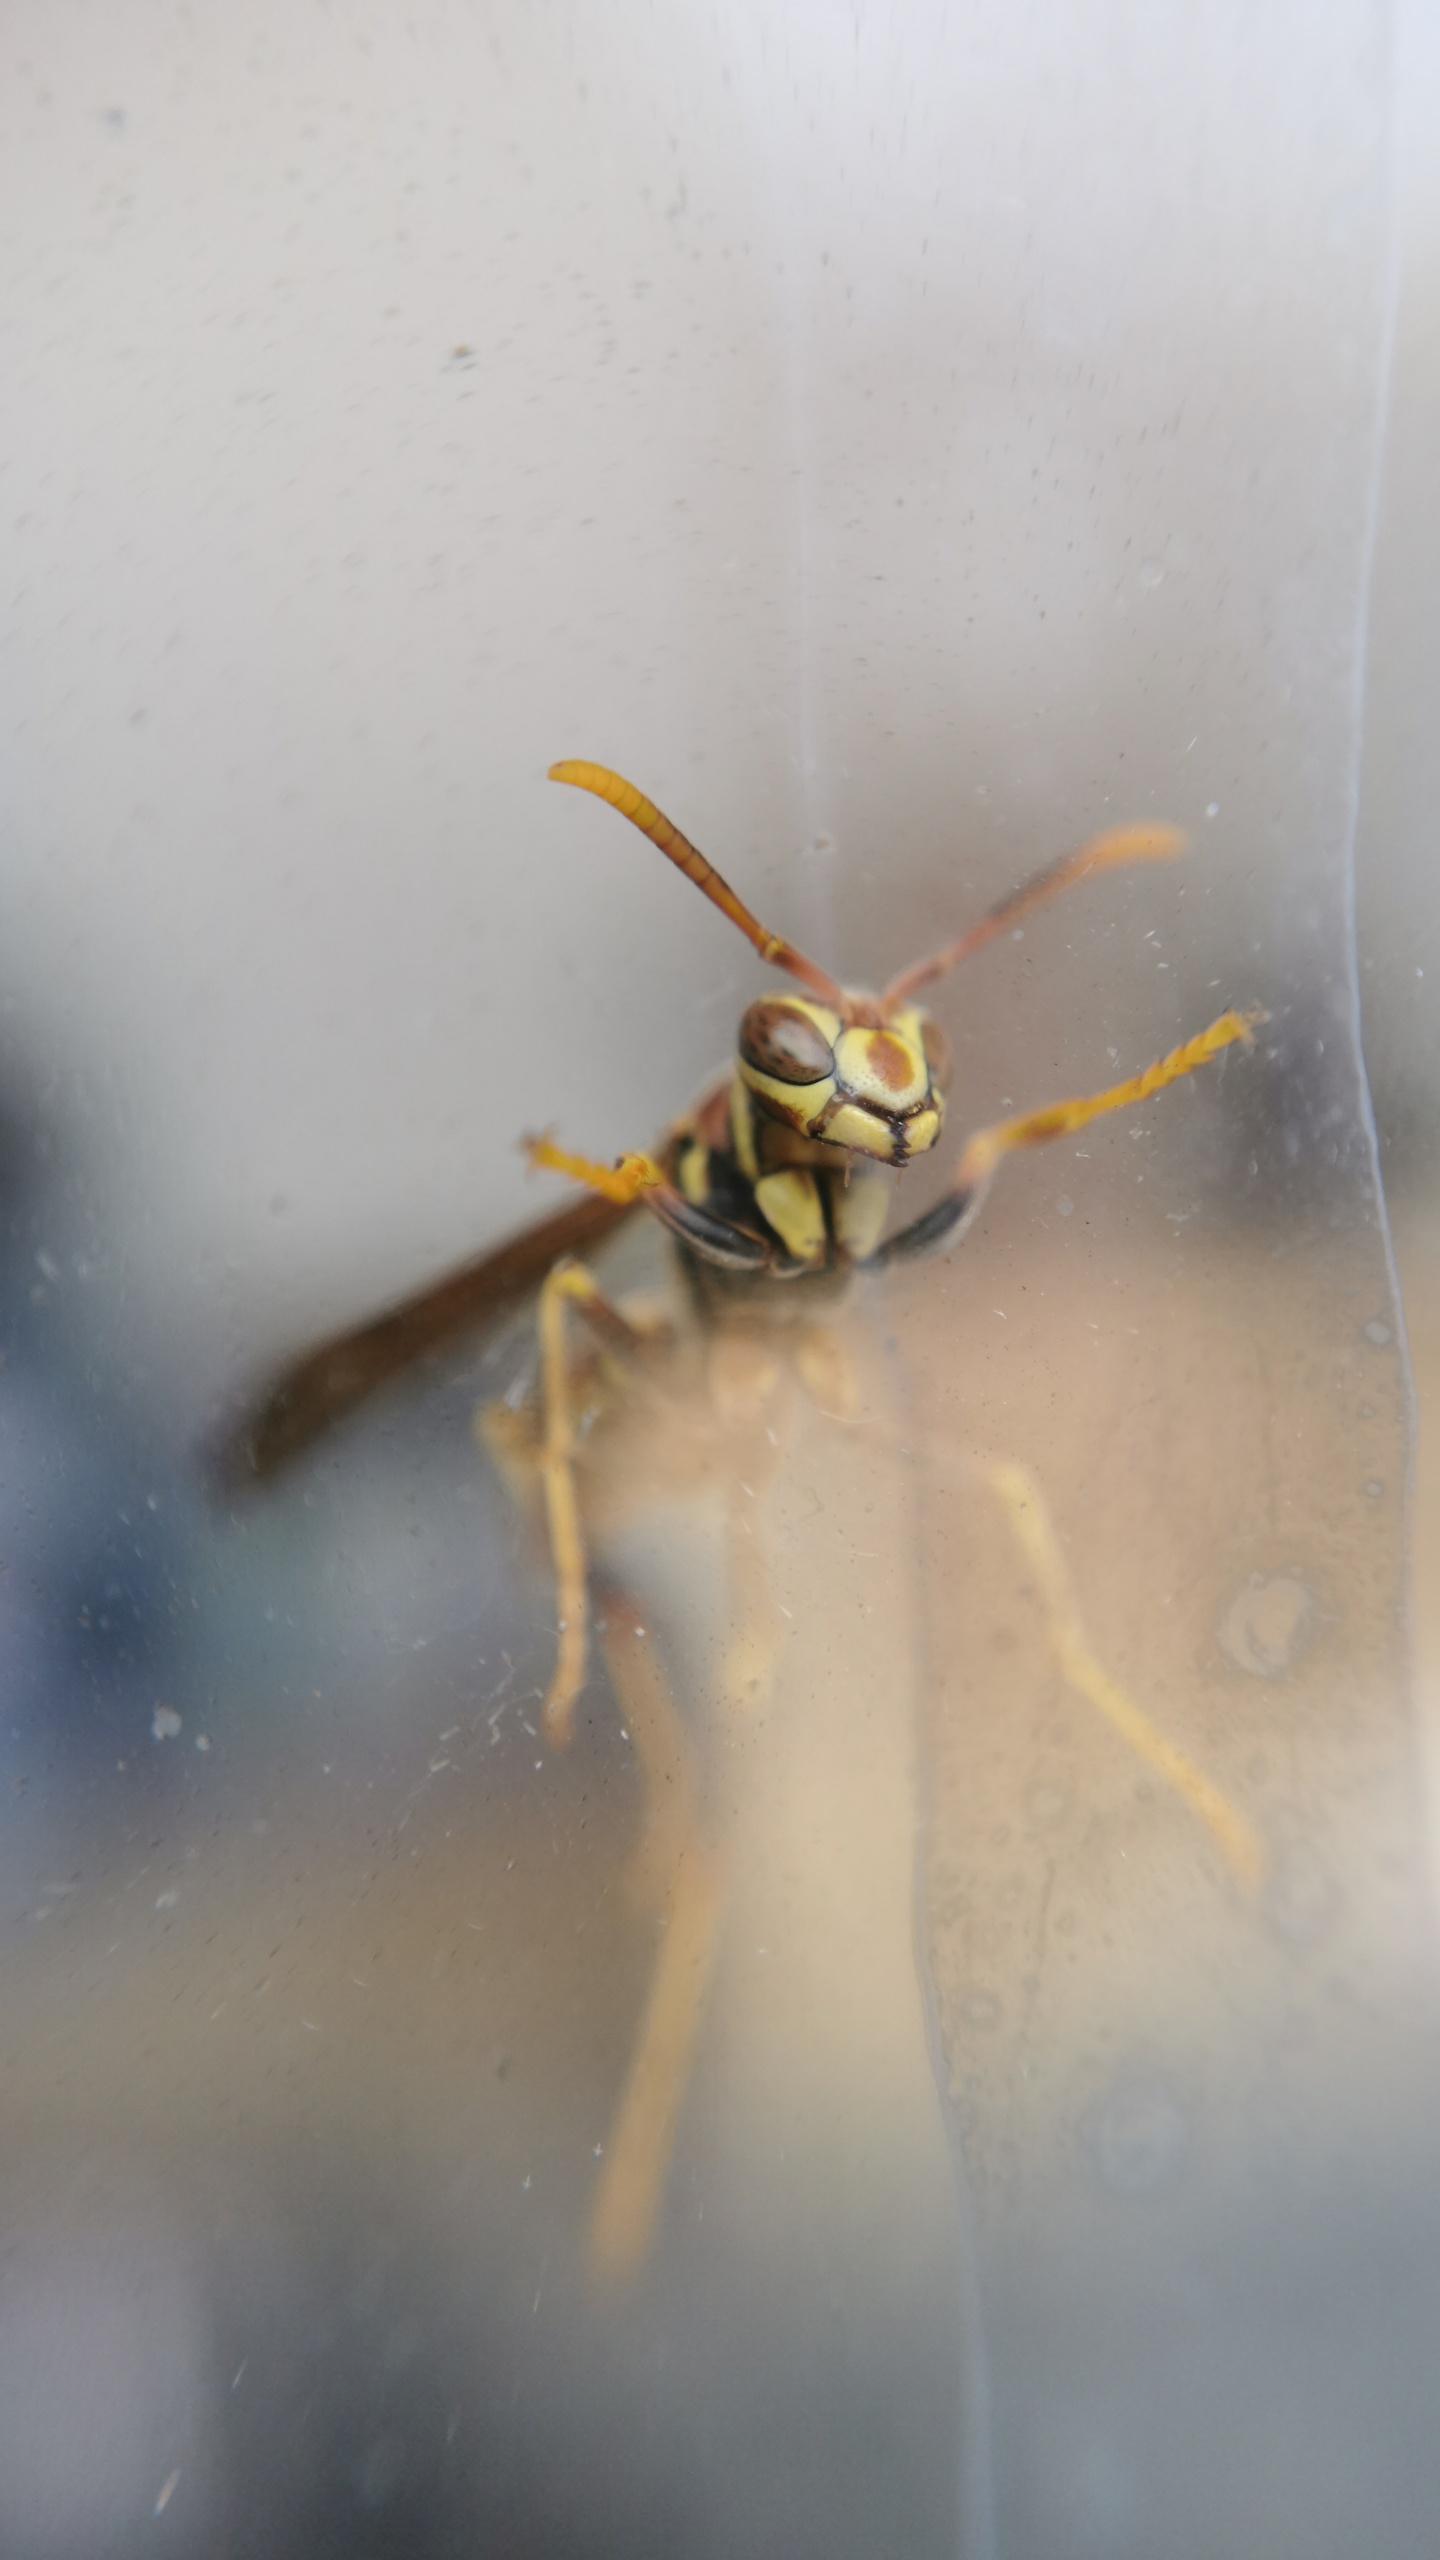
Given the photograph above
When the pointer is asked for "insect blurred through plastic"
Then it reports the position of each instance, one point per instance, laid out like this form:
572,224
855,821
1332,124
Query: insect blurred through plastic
773,1188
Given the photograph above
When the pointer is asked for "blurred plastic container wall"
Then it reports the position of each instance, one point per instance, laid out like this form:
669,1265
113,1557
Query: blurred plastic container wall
907,442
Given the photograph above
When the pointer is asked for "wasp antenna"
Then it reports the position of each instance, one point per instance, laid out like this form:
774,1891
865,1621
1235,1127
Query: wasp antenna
652,822
1101,853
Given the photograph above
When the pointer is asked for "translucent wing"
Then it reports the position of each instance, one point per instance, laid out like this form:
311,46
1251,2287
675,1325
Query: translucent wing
327,1383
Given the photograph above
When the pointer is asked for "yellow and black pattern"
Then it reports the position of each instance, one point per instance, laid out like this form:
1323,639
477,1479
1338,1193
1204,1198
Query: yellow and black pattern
780,1172
750,1193
821,1218
776,1179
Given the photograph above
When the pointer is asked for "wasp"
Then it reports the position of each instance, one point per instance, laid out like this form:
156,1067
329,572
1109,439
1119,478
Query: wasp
774,1188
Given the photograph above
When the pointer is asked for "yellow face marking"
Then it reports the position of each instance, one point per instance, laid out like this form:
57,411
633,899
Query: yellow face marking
798,1105
864,1132
790,1203
858,1209
742,1128
694,1172
882,1067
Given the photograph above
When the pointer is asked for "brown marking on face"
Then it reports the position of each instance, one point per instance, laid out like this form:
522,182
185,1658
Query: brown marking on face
775,1145
890,1061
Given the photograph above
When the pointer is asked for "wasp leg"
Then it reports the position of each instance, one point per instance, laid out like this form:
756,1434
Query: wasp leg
677,1866
747,1665
510,1438
716,1240
568,1285
748,1385
945,1223
827,1372
1021,1499
656,1732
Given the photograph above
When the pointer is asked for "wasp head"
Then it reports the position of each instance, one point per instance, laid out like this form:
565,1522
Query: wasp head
868,1081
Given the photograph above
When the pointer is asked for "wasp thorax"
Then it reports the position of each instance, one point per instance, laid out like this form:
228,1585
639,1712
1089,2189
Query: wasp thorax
867,1087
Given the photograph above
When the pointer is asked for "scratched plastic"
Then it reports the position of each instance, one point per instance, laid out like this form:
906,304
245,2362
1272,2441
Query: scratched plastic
906,444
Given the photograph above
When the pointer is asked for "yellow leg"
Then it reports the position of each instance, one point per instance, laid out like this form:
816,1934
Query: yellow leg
748,1388
568,1285
746,1670
669,1815
984,1150
941,1226
622,1182
1238,1843
677,1860
827,1372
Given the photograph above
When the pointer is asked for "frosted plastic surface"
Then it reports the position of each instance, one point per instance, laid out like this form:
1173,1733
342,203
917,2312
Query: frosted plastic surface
905,442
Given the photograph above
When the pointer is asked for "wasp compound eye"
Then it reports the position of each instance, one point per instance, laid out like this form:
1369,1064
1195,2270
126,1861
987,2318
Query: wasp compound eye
787,1041
937,1052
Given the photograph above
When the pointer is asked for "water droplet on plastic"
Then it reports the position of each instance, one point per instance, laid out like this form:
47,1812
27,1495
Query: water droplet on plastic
1268,1625
1138,2137
1065,1205
1377,1332
1152,573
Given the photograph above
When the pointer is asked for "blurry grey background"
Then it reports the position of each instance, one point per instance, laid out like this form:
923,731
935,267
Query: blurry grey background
391,410
1398,847
903,442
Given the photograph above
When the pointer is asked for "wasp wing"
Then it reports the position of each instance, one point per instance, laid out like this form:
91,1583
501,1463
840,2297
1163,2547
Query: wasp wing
324,1385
